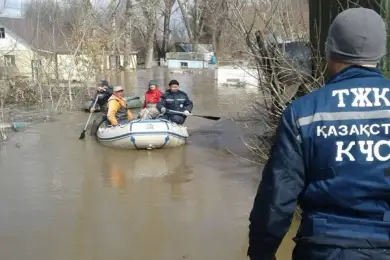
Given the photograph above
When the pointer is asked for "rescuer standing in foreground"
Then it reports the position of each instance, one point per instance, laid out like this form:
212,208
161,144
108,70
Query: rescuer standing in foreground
332,156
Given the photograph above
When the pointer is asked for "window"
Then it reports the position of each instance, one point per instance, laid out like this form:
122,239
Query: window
9,61
35,63
2,33
184,65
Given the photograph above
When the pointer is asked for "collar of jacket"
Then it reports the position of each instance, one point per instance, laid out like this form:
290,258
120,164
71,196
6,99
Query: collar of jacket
174,92
121,101
355,71
156,90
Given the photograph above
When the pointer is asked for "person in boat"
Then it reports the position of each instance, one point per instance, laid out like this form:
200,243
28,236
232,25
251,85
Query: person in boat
176,100
152,97
117,109
103,93
331,156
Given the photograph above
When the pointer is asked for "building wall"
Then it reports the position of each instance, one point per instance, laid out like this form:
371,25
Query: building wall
21,62
69,67
15,56
72,67
191,64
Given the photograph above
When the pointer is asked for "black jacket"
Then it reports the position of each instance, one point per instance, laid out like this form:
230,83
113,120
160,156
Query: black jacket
177,101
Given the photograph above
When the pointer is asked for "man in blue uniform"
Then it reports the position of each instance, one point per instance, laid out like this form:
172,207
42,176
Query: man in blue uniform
332,156
176,100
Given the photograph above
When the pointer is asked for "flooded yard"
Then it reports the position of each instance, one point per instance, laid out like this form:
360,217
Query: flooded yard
64,198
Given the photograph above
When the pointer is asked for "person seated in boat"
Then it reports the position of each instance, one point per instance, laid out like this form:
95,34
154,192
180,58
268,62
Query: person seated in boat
152,97
117,109
176,100
103,93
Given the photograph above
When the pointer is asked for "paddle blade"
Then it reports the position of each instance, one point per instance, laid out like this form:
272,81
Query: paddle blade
215,118
134,98
82,136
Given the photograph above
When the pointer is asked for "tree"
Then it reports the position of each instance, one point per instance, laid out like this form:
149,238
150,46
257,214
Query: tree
128,32
149,9
216,16
194,19
168,5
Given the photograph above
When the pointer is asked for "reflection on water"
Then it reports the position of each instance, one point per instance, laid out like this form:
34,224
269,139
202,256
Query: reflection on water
63,198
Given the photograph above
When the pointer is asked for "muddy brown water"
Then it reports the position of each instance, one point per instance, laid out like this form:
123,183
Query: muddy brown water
62,198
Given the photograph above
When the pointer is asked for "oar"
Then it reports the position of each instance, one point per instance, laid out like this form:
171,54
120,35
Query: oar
82,136
215,118
134,98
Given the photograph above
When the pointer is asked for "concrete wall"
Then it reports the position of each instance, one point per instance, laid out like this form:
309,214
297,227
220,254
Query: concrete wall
191,64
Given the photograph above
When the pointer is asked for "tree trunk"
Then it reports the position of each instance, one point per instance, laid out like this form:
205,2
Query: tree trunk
167,32
216,38
185,18
114,47
150,43
128,34
195,43
149,55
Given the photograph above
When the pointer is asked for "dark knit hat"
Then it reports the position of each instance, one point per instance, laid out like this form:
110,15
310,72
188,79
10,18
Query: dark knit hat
357,36
153,82
173,82
103,83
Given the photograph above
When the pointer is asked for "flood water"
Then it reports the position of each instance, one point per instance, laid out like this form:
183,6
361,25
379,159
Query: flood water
63,198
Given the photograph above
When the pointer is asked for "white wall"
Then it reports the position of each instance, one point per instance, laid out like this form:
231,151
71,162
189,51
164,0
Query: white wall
72,67
11,43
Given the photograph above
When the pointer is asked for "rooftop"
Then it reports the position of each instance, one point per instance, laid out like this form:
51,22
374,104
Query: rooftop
39,36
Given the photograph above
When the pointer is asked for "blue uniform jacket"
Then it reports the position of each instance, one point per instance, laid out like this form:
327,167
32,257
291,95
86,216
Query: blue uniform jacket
332,156
177,101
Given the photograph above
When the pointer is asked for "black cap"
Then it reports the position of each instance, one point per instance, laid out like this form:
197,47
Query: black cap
173,82
103,83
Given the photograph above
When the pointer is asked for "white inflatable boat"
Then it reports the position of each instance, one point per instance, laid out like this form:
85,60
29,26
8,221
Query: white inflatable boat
143,134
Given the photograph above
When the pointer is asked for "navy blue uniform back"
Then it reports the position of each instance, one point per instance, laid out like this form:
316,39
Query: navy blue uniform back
333,157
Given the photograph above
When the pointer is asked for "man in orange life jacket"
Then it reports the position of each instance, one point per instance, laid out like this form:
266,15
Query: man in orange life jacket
117,110
332,156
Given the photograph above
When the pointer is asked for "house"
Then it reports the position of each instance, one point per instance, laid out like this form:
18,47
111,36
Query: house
26,48
207,49
182,55
32,50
